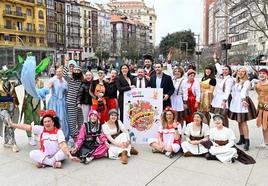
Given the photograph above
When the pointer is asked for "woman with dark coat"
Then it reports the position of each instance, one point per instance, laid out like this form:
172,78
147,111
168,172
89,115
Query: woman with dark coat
124,82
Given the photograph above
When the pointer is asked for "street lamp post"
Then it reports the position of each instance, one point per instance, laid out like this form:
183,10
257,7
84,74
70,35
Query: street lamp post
226,46
186,52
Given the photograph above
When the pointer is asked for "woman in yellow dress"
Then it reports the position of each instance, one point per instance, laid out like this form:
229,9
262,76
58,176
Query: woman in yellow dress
207,86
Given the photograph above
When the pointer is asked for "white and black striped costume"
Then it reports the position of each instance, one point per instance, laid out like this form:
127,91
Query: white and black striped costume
75,116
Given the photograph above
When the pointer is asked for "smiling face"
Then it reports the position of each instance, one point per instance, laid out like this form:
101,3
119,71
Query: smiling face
113,117
241,73
158,68
113,74
93,118
177,73
191,77
218,123
263,76
140,73
207,72
88,76
48,123
101,74
147,63
225,71
197,119
59,73
124,70
169,116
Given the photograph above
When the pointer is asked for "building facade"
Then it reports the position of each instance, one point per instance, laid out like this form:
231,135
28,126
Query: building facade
22,29
206,7
73,30
138,10
56,27
89,31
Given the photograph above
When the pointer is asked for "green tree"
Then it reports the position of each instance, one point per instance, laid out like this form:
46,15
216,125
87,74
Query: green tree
178,40
102,54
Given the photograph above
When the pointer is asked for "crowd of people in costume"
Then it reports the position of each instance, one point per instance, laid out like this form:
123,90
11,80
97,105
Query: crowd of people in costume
84,117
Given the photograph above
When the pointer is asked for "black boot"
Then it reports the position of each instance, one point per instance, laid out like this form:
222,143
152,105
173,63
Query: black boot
241,140
246,146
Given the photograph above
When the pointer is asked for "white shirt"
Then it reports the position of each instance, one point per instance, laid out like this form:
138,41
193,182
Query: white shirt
158,81
142,83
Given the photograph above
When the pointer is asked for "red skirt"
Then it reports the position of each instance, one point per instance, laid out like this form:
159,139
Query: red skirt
191,109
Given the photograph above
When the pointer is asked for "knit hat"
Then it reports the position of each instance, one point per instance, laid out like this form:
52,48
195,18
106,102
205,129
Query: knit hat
94,112
72,62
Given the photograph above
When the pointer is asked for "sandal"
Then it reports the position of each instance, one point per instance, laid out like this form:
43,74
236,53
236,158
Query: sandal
57,164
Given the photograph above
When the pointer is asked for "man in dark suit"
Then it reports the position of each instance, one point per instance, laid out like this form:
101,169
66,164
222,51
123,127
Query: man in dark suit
149,71
161,80
140,80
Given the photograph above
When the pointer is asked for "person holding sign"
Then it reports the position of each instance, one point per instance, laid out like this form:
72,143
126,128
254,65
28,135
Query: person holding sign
161,80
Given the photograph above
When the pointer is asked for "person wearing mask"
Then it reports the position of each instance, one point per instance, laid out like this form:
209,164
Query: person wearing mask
73,75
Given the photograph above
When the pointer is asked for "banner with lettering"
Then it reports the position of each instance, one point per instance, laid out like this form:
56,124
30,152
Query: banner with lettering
142,113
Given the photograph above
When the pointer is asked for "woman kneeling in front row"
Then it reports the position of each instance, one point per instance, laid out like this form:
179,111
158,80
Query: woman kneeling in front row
196,133
169,134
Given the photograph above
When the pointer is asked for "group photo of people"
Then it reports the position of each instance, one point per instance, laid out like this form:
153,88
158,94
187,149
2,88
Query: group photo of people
83,118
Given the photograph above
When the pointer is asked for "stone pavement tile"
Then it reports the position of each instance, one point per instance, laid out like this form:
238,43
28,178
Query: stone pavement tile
5,158
259,173
112,172
67,181
178,176
21,173
145,153
236,172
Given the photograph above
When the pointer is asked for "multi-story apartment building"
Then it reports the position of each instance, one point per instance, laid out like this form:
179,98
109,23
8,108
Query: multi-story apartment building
122,33
238,33
138,10
104,28
73,30
22,28
56,27
206,6
89,32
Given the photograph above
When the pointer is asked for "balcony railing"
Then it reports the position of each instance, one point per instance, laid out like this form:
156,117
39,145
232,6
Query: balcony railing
16,14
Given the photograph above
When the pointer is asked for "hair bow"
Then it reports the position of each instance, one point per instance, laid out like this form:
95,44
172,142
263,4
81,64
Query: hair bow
49,112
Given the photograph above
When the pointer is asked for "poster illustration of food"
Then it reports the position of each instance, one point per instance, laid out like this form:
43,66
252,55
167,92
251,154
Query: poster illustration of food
142,113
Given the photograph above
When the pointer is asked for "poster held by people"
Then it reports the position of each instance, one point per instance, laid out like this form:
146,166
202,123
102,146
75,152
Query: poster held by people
142,113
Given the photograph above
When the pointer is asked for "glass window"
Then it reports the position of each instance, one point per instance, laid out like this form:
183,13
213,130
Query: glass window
8,9
29,27
41,27
40,14
18,11
29,12
41,40
40,1
19,25
8,24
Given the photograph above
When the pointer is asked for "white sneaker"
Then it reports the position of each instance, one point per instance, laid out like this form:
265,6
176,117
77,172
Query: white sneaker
31,141
88,160
168,154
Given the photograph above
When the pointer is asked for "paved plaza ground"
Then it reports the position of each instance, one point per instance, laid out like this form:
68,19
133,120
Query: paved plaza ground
145,169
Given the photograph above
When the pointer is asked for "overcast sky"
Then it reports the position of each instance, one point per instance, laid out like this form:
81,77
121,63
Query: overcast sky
174,15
